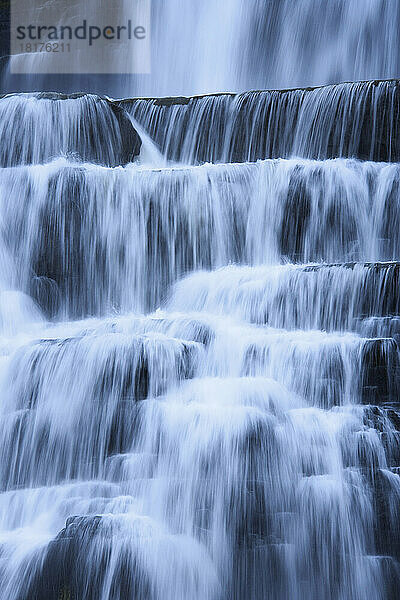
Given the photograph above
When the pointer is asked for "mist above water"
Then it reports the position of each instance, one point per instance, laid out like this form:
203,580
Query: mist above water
203,47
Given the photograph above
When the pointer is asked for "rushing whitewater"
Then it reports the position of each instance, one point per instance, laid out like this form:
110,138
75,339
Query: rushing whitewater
88,240
199,326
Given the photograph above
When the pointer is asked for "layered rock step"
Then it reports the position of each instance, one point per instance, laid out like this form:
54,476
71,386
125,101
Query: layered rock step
97,377
344,296
42,126
354,120
349,119
96,239
94,379
217,404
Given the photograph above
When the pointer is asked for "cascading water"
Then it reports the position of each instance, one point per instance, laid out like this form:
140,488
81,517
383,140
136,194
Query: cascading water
358,119
200,370
236,45
241,441
262,44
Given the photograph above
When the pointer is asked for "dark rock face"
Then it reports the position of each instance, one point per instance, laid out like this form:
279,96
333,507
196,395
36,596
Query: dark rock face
77,564
387,516
296,217
381,371
130,139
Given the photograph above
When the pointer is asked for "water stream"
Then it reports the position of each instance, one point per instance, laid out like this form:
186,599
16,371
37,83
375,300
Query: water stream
199,360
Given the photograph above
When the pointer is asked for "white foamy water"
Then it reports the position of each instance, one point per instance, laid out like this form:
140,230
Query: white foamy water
199,361
213,448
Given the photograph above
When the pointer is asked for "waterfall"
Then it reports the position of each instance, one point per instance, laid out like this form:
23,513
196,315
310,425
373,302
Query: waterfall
200,316
89,239
350,119
39,127
235,45
200,363
270,44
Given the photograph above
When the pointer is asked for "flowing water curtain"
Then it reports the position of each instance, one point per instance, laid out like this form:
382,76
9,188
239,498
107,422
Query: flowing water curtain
200,367
268,45
90,239
350,120
251,45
